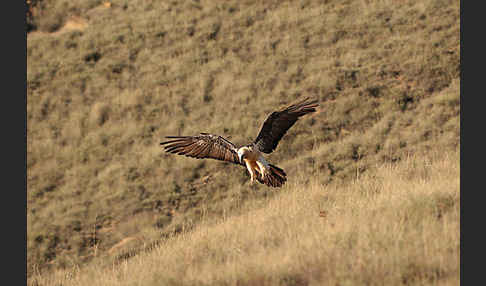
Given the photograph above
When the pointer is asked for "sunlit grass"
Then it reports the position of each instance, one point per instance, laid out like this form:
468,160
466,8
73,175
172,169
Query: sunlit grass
396,225
101,98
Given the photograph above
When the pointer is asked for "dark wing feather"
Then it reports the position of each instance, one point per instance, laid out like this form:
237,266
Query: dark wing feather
279,122
202,146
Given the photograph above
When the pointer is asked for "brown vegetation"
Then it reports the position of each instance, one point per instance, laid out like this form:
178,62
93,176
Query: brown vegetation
395,225
101,98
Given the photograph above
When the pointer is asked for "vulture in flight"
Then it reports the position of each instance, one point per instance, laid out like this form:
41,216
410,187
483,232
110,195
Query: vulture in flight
213,146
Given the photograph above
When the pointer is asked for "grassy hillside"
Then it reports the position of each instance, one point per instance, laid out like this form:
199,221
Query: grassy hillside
395,225
106,82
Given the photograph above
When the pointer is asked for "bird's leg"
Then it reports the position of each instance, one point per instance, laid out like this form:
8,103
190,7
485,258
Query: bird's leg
261,169
251,171
253,176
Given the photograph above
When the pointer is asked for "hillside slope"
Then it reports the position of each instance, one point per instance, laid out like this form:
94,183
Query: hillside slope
102,94
398,224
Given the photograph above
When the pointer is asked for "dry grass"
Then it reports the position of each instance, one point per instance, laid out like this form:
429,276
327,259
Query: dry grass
396,225
100,99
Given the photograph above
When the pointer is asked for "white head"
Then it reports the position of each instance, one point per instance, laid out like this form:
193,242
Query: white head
242,153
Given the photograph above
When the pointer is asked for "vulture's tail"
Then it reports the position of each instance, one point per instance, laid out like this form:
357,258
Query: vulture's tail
275,178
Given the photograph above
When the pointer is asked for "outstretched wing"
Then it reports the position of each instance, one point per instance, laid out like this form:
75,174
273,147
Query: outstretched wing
202,146
279,122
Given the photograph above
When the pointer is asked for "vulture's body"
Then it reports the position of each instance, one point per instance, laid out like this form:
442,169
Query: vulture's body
213,146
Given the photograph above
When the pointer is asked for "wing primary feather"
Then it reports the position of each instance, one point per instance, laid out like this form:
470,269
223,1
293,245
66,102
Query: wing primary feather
277,124
182,144
204,145
177,139
204,151
195,151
